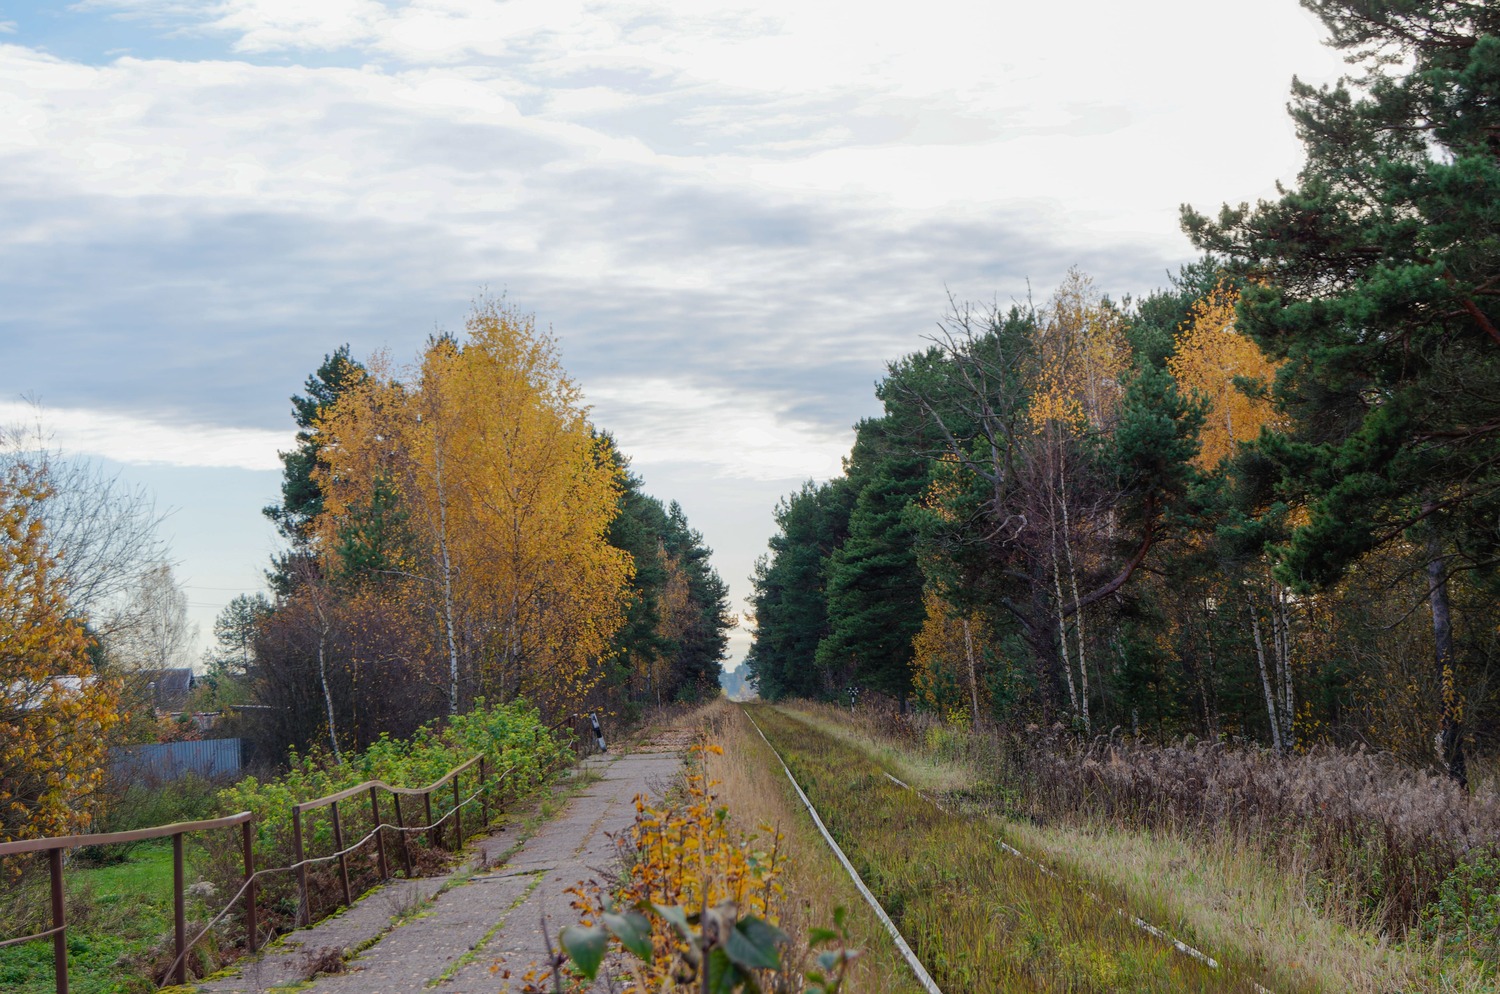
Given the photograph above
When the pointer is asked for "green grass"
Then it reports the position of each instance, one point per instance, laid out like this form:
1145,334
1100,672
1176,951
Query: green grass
979,920
115,914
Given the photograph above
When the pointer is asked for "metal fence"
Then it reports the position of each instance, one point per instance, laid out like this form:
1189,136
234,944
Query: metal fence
486,787
55,848
211,758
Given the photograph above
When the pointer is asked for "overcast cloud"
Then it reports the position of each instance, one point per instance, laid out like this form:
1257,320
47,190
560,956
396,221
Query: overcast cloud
732,215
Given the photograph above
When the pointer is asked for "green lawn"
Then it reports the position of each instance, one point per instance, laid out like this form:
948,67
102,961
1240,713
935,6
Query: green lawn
116,913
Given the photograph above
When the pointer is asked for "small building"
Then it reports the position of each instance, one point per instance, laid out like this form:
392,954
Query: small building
169,689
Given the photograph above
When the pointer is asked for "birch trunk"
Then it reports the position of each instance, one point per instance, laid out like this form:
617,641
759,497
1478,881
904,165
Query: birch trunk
1083,670
1265,677
1062,627
333,737
447,564
1284,663
1449,738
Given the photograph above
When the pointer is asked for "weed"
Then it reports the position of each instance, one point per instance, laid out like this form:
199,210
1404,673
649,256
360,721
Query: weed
323,960
1465,918
687,856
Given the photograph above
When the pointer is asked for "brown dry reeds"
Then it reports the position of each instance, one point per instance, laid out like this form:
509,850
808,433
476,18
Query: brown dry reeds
1380,836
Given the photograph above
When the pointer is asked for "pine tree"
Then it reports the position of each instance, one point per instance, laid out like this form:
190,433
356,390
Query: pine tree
789,602
1380,293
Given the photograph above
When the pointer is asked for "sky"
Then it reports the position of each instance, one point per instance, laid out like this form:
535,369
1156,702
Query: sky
732,215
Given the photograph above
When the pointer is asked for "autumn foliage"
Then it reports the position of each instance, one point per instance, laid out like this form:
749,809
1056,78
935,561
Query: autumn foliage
688,855
53,711
1228,370
471,491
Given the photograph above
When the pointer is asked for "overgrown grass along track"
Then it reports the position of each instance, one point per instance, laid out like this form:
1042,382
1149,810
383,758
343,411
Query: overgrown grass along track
980,920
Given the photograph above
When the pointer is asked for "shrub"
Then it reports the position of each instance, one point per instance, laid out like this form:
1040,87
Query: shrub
1466,915
521,755
144,803
686,861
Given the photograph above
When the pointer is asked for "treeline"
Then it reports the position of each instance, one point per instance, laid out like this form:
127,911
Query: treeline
459,530
1260,502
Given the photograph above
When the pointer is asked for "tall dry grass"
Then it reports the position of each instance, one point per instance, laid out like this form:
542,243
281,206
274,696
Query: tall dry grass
1378,837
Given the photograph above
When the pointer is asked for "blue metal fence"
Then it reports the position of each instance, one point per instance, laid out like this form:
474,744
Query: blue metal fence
170,760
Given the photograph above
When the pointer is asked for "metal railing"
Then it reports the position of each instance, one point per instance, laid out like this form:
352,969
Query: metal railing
54,848
371,789
301,861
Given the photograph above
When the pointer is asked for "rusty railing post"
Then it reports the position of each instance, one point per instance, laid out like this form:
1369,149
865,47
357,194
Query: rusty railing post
338,840
304,910
385,873
251,926
427,803
401,833
458,818
484,801
59,920
179,912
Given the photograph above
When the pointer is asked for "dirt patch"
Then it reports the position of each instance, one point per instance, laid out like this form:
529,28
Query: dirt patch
667,740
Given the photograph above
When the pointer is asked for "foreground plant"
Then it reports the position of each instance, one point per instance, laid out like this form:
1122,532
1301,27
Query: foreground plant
716,951
698,911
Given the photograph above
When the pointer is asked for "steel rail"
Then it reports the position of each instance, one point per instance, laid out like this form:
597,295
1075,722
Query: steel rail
923,977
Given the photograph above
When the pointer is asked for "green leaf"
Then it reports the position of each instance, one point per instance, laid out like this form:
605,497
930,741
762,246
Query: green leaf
677,918
585,947
752,944
724,977
817,935
633,930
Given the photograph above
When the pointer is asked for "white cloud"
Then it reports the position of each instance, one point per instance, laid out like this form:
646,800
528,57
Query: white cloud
139,441
733,212
735,435
1117,109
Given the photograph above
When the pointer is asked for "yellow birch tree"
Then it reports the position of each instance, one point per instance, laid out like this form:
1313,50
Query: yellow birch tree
539,494
1084,358
507,497
1228,371
1212,360
947,662
53,710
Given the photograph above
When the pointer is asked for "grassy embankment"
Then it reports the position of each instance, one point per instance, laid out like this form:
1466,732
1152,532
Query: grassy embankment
981,920
1230,891
755,790
120,913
